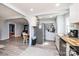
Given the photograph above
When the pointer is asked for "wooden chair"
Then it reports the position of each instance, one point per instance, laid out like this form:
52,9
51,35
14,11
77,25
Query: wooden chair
25,37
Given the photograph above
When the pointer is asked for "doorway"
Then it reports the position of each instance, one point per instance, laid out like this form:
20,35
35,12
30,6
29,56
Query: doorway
11,30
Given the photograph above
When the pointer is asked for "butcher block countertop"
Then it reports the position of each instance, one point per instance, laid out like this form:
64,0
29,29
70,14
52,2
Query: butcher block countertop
72,41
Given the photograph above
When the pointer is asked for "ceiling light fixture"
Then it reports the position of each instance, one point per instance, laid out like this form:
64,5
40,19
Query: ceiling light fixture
50,16
57,4
31,9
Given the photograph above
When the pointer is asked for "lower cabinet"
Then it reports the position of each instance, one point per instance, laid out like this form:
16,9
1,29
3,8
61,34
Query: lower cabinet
66,49
57,42
61,46
62,50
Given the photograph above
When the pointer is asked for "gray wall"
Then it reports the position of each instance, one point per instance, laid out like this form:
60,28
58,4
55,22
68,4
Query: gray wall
39,34
5,29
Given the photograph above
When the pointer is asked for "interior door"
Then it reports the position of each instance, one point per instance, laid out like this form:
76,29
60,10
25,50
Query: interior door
11,30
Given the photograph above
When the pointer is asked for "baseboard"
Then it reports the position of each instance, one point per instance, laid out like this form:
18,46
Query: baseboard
3,39
50,40
9,38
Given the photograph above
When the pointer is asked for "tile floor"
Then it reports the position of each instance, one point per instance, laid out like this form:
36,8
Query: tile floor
15,47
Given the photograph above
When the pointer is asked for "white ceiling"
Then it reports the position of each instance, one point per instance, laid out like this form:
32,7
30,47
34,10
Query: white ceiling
40,8
7,13
43,10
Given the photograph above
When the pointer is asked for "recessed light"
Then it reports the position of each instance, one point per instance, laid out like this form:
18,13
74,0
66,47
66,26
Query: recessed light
31,9
57,4
50,16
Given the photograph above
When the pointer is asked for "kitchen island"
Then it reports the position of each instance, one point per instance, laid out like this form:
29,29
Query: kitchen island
71,40
65,44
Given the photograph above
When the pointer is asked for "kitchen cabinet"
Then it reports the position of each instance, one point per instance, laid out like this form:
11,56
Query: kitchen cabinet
68,46
57,42
62,50
61,45
74,13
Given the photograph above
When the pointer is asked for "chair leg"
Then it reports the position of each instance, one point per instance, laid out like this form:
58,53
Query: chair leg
25,40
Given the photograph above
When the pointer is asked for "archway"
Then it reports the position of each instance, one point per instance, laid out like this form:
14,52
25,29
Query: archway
32,21
21,24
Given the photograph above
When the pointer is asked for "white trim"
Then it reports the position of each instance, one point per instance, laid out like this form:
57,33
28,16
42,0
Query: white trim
13,17
4,39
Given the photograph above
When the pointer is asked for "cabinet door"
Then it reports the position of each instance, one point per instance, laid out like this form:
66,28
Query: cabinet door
74,13
62,50
57,42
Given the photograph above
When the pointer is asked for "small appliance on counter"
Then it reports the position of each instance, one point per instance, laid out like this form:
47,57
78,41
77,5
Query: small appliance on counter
73,33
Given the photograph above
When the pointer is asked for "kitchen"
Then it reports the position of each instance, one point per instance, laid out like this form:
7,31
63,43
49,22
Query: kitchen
59,26
67,42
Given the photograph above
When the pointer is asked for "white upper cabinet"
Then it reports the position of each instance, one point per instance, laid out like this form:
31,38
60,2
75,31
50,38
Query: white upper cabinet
74,13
